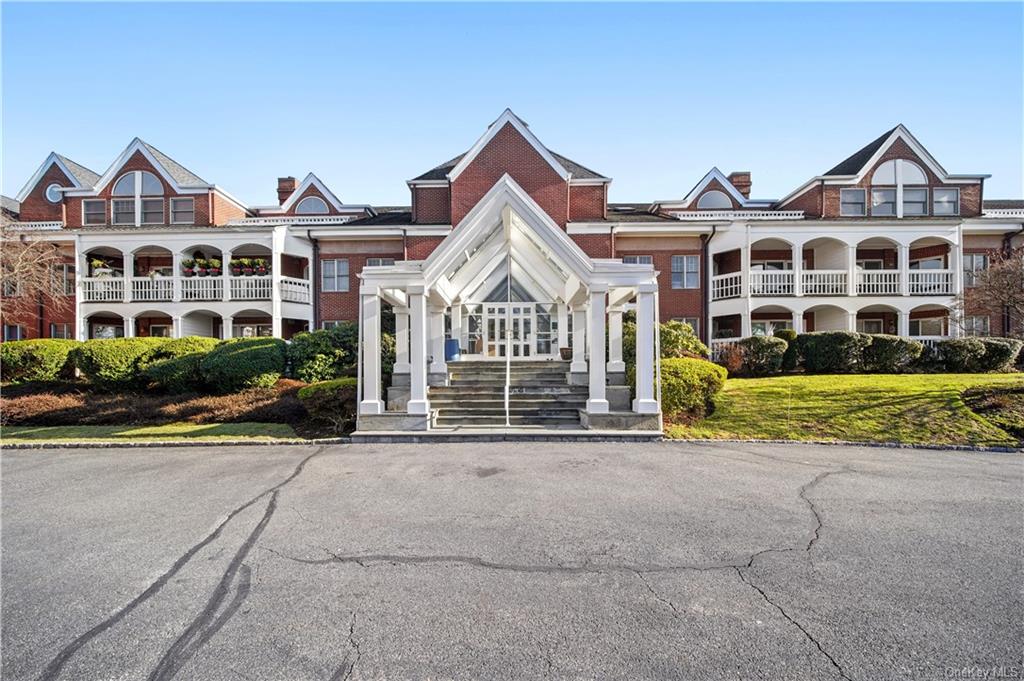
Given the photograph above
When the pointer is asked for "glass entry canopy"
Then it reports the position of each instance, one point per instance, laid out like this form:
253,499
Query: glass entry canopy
522,330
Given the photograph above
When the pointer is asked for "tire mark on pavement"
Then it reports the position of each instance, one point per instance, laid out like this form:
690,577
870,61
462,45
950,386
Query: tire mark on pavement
56,665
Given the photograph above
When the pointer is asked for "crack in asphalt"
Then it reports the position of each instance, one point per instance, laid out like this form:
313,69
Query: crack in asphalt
666,601
344,671
56,665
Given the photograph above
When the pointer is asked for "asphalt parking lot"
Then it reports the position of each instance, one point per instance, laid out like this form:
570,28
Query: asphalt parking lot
511,561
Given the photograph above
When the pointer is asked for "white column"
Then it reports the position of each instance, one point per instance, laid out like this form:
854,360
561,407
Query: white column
129,326
598,402
646,401
176,327
226,274
418,403
903,324
904,264
745,325
401,340
227,322
851,270
579,340
436,329
615,363
851,321
745,270
798,322
176,274
956,264
276,303
953,326
369,312
129,272
563,325
81,271
798,269
456,310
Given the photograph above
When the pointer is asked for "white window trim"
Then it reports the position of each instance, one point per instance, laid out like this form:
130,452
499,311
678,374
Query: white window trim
312,197
142,212
880,320
863,202
684,271
956,205
897,207
636,259
861,261
103,206
192,201
136,211
138,199
925,203
941,260
348,275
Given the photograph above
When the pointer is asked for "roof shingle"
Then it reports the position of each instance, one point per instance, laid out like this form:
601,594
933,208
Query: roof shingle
853,164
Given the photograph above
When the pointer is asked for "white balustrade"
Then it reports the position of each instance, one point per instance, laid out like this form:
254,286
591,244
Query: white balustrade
251,288
824,282
202,288
878,282
771,282
726,286
720,345
295,290
929,342
149,289
103,289
931,282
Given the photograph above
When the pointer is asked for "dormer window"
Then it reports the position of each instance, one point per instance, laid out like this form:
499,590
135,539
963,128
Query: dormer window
139,209
899,188
852,203
946,201
311,205
714,200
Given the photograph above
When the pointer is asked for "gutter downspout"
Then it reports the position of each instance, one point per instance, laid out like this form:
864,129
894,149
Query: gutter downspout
314,272
705,294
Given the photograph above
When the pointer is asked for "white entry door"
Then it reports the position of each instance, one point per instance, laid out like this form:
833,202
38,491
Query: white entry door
502,317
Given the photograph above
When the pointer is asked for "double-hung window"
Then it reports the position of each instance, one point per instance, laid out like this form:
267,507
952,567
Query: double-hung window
883,202
124,211
638,259
60,331
946,201
334,276
852,202
183,211
974,263
915,201
693,322
64,279
379,262
977,325
685,271
94,212
13,332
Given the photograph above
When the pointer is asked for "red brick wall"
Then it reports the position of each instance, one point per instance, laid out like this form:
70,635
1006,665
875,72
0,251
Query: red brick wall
672,302
431,205
419,247
340,306
35,206
29,320
588,202
594,245
509,152
222,210
809,202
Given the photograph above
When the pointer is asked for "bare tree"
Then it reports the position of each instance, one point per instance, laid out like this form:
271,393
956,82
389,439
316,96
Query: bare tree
31,273
998,290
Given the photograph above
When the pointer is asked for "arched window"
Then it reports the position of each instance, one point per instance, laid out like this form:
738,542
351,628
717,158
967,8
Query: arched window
137,208
898,189
311,205
714,200
151,185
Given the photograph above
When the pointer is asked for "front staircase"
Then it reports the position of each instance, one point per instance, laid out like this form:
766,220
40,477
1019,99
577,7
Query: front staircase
540,395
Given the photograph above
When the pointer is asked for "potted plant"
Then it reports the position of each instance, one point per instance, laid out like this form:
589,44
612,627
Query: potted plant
260,265
566,353
213,265
188,267
100,268
201,267
236,267
246,266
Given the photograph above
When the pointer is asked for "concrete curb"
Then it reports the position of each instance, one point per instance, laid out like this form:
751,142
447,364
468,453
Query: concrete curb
999,449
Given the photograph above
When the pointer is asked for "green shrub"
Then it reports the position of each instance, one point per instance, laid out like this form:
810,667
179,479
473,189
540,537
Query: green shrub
174,366
332,402
330,353
241,363
762,355
114,364
43,359
791,357
1000,354
688,384
677,339
961,355
833,352
891,354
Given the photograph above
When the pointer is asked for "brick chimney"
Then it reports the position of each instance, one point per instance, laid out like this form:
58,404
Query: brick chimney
285,187
741,180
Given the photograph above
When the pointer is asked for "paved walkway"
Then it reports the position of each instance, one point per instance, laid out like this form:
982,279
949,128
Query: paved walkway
564,560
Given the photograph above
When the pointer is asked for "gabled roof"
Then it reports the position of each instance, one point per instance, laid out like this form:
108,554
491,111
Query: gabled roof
565,167
177,175
182,175
80,176
10,205
853,164
312,180
714,175
1002,204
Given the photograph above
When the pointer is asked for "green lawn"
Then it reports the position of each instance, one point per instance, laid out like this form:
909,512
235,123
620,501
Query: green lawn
169,431
924,408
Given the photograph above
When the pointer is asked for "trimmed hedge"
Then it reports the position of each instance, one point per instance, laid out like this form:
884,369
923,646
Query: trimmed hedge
891,354
174,366
688,384
325,354
1000,354
832,352
961,355
762,355
43,359
791,357
240,363
114,363
679,340
331,402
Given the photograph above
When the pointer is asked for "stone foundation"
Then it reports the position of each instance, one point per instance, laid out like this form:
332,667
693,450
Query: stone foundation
620,420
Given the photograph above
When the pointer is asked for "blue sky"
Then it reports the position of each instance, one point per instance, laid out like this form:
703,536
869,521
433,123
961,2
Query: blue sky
368,96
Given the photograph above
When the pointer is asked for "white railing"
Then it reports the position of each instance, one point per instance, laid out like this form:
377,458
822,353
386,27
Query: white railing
295,290
878,283
148,289
931,282
202,288
251,288
824,282
771,282
739,215
929,341
294,220
102,289
726,286
719,345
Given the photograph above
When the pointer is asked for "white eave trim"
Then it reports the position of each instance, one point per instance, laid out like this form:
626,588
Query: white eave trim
589,181
307,182
38,175
428,183
661,228
395,232
138,145
507,117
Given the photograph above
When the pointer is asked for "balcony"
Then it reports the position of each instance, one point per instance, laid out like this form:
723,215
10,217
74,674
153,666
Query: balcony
931,282
782,283
162,289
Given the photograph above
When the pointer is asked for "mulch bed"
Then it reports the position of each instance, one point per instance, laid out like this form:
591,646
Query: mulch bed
1002,406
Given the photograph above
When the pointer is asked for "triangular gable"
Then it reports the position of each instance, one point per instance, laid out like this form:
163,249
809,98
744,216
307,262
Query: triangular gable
53,159
901,133
181,179
311,180
508,118
714,174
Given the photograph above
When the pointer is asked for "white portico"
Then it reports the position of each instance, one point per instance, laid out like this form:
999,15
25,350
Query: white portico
507,284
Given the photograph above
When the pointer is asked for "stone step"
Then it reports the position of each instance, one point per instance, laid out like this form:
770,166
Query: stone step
499,410
543,363
568,402
499,420
540,383
485,391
